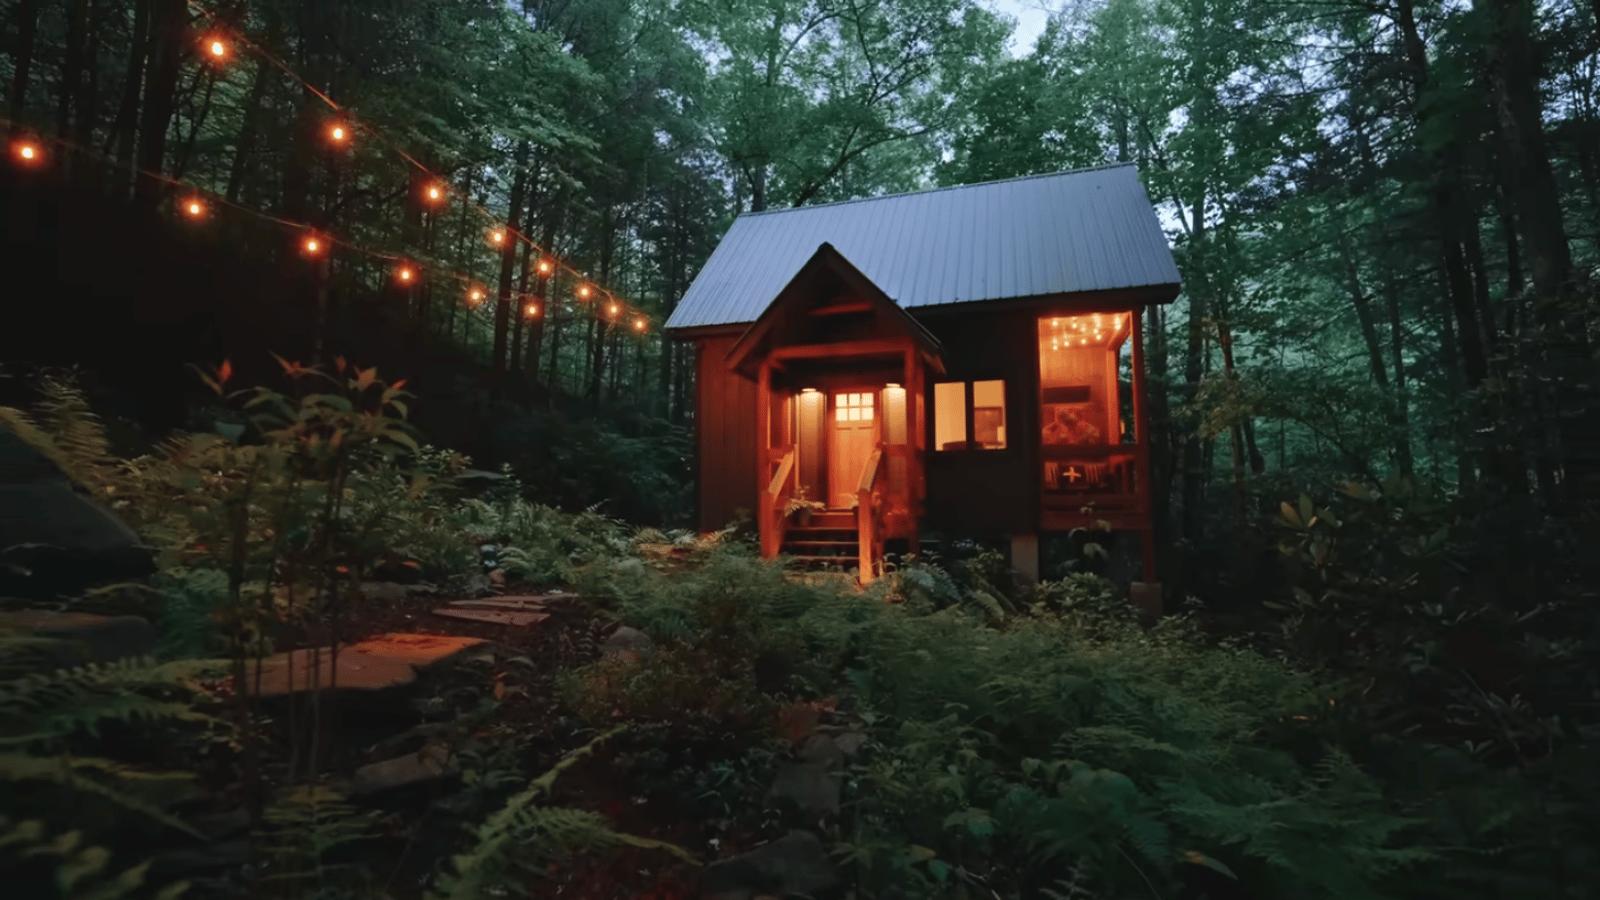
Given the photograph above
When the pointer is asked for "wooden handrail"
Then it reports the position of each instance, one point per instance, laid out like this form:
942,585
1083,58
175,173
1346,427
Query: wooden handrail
869,517
773,522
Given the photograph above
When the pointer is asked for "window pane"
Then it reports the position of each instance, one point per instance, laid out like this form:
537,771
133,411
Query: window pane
950,415
989,414
1079,397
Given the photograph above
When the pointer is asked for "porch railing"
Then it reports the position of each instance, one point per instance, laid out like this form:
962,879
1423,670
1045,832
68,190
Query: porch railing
778,493
870,528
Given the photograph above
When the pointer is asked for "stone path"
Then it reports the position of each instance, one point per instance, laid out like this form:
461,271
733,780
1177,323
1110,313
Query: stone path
386,661
518,612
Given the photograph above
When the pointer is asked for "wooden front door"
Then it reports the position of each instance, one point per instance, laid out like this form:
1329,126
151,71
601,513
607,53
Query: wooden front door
853,432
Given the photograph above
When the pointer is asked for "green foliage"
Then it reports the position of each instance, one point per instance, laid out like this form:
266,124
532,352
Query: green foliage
546,546
79,870
304,831
518,841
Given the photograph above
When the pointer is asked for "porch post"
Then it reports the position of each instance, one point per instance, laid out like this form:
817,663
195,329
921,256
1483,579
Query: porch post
914,431
765,523
1148,592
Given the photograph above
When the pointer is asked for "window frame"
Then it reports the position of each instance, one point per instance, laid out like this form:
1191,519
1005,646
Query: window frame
969,411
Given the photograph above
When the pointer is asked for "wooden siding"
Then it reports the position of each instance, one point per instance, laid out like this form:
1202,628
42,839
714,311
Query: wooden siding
725,417
986,489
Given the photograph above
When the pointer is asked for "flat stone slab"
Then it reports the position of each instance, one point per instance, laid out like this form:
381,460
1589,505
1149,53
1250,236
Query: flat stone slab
385,661
494,616
524,604
97,639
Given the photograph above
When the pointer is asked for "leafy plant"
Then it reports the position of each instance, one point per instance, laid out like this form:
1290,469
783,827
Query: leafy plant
518,841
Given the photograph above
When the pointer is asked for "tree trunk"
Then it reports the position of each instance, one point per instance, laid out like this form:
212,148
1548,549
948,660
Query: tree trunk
508,258
1402,412
72,73
22,59
244,145
161,84
541,289
125,129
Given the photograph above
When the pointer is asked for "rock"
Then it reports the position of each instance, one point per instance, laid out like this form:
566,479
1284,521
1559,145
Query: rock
822,750
626,640
494,616
384,591
498,577
411,740
851,742
810,786
523,604
88,638
63,539
390,660
431,763
796,864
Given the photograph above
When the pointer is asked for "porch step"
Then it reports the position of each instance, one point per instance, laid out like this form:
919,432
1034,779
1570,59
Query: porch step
811,543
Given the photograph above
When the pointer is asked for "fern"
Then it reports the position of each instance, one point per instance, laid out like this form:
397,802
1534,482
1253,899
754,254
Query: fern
69,434
79,870
515,841
305,826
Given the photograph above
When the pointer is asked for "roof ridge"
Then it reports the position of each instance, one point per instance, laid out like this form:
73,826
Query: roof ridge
948,187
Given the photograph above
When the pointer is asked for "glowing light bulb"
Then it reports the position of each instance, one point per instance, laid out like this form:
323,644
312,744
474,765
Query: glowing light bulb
498,237
28,152
531,310
613,309
434,193
313,245
337,132
583,291
194,208
475,296
219,49
405,273
639,325
544,266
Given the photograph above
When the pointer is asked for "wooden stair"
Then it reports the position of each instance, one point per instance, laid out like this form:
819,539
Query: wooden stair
830,541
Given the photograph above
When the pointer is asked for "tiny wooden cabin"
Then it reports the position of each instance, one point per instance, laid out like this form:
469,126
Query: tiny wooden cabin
967,357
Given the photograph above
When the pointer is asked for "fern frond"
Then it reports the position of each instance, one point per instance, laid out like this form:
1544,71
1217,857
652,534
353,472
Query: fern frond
80,872
69,772
519,835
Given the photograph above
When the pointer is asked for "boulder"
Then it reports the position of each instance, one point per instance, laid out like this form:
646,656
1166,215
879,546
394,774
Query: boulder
431,763
794,865
56,538
626,640
810,786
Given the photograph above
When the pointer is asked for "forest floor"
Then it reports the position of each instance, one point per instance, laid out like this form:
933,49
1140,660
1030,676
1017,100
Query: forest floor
520,671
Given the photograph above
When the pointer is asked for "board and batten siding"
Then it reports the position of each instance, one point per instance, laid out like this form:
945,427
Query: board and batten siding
986,490
725,420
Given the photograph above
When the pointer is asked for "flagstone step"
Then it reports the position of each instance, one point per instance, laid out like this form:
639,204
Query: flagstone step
386,661
494,616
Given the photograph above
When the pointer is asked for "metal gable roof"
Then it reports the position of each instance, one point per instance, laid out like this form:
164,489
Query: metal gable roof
1066,232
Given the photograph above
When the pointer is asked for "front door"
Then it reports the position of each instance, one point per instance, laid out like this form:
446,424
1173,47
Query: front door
853,432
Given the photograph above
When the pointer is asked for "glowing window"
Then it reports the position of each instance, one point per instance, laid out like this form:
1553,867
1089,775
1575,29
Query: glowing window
976,408
852,407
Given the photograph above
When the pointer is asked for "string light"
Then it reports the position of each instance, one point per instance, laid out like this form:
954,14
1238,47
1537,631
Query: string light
194,208
341,130
497,236
312,245
405,273
613,309
531,310
28,152
638,325
474,297
583,291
